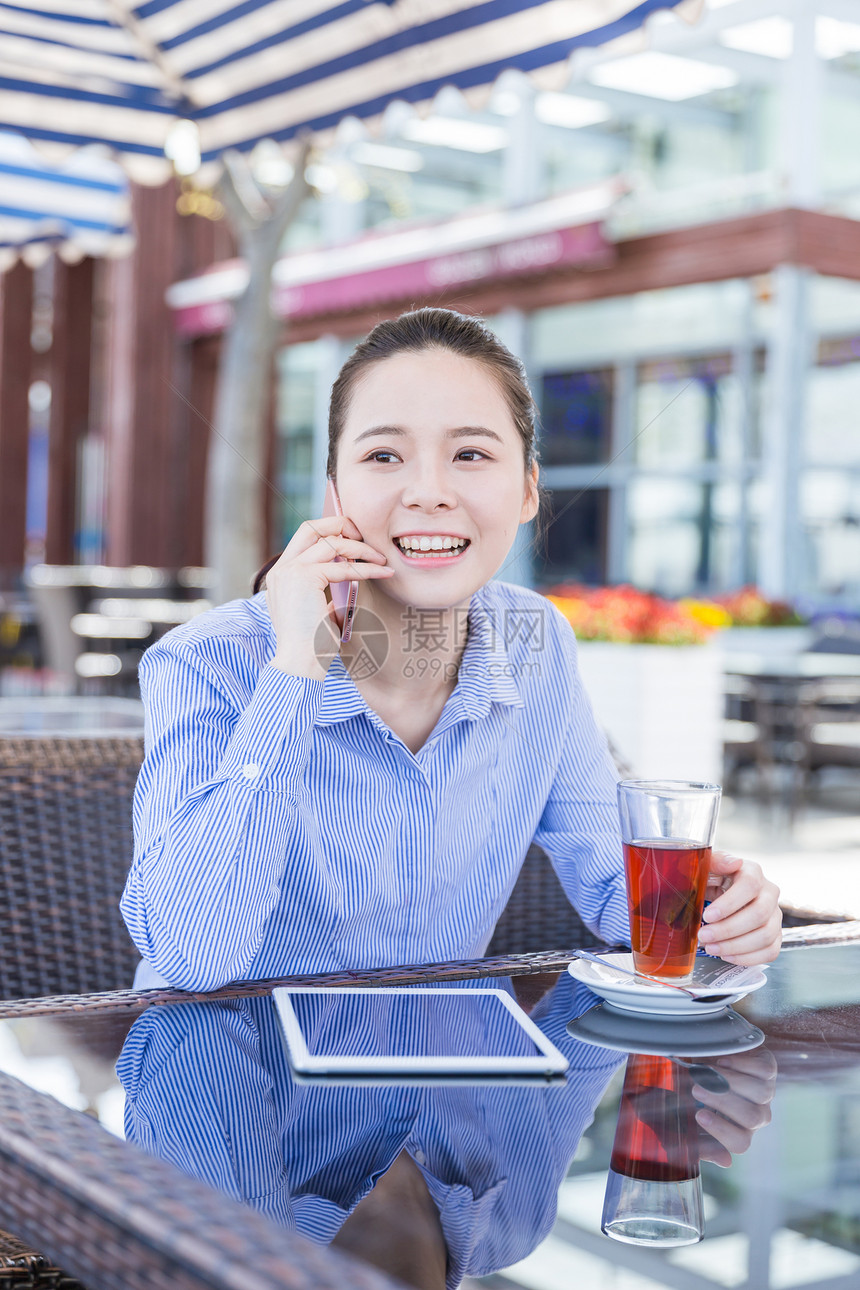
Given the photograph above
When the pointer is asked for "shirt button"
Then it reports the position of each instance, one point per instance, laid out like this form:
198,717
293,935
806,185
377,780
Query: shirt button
250,770
419,1157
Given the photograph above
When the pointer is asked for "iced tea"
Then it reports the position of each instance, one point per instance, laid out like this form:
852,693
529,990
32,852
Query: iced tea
666,881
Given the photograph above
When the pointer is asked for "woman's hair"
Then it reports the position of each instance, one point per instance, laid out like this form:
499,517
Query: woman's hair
413,333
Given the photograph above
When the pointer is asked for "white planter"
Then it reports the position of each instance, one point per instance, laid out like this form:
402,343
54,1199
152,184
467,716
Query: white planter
765,640
661,705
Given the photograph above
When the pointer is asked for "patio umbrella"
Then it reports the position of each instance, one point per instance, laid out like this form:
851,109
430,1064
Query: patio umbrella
90,71
76,72
80,207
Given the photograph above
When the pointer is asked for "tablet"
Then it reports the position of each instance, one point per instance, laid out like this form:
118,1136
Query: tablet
418,1034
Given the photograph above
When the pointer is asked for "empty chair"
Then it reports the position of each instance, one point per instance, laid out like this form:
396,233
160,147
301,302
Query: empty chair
65,824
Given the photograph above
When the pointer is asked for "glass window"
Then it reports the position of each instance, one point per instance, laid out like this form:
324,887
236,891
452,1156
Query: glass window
840,161
576,537
598,153
576,418
704,318
830,510
685,536
832,427
433,168
295,430
687,412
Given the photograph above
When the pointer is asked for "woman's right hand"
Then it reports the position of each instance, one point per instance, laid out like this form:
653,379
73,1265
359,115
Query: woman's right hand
296,590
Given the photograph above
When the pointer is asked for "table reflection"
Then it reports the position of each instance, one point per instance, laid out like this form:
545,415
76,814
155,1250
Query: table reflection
676,1112
209,1088
461,1179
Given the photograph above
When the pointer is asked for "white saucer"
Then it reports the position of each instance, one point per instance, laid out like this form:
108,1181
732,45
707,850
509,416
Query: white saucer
631,995
628,1032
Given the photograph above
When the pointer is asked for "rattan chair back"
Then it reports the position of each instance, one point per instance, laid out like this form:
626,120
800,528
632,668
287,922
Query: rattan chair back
539,915
65,850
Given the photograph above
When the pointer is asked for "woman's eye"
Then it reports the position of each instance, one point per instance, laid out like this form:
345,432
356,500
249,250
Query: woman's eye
381,452
472,453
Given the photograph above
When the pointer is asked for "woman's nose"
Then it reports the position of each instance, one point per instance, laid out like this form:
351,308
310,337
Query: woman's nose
428,490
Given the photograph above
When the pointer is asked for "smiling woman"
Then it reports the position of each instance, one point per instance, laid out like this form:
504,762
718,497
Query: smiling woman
308,804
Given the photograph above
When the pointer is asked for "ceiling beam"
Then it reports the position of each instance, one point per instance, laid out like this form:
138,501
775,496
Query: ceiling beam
683,38
626,103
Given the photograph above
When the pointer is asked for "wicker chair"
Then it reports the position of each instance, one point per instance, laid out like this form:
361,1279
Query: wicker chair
23,1268
538,915
65,824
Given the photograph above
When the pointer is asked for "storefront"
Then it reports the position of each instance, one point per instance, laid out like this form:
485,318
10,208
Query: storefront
693,437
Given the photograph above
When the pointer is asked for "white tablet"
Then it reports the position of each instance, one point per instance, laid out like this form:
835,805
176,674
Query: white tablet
420,1034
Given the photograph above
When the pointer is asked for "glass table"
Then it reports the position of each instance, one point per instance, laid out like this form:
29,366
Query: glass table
234,1174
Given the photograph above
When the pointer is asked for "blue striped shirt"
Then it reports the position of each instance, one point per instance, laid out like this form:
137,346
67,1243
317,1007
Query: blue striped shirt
281,826
208,1088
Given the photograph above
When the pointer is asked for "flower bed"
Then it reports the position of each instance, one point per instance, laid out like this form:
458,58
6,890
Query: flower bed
624,614
638,617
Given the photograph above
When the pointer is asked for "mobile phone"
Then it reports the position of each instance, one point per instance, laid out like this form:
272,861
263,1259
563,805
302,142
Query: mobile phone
344,595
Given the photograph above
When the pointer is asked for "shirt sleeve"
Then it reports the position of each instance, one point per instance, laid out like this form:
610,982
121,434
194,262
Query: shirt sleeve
579,827
214,809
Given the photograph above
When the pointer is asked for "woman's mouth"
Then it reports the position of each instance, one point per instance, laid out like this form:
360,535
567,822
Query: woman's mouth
432,548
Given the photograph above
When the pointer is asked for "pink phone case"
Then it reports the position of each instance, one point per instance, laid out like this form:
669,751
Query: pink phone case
344,595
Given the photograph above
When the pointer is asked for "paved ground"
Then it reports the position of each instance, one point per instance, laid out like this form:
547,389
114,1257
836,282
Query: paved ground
815,858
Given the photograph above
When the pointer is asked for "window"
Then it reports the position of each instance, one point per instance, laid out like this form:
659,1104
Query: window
576,536
576,418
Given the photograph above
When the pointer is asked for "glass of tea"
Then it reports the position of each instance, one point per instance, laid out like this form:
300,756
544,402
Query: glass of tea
667,827
654,1190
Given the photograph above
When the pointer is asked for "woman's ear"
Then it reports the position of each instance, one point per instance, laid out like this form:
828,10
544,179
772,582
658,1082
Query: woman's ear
531,500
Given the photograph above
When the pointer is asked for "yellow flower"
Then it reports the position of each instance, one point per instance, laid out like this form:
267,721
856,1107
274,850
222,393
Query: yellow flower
707,613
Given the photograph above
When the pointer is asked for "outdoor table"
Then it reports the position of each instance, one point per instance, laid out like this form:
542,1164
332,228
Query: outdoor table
792,666
222,1187
71,717
796,710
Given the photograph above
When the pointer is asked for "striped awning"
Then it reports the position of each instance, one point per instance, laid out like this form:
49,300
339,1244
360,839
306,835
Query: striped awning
77,72
78,208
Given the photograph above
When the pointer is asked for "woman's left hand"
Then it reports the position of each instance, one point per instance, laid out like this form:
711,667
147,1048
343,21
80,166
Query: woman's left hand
743,923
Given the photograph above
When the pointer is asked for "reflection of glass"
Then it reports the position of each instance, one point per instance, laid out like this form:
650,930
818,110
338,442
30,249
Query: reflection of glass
654,1189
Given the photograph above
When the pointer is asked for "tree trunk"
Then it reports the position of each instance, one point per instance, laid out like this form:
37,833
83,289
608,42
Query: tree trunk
234,524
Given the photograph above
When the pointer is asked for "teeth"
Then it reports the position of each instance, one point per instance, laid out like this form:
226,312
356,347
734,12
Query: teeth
434,543
420,547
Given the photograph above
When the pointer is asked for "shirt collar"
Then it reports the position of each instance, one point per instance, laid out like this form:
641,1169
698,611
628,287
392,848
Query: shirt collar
485,670
341,697
485,674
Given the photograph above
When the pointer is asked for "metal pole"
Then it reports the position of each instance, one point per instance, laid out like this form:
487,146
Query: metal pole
788,357
789,350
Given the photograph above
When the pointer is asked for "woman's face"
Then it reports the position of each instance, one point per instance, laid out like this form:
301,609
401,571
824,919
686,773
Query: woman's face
430,452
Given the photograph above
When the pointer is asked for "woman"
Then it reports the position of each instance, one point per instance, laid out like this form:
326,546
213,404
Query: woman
301,809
